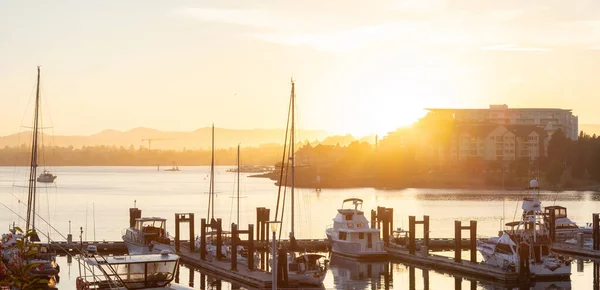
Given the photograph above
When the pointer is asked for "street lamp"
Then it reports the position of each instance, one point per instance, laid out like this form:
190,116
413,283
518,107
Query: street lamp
274,225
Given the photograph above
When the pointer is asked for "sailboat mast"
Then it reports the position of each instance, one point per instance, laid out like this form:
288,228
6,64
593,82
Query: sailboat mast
238,185
212,174
30,224
293,97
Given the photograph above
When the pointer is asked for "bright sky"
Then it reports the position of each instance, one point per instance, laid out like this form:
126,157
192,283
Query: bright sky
360,66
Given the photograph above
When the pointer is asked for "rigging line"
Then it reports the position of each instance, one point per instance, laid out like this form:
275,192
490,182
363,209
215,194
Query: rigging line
17,148
283,160
61,247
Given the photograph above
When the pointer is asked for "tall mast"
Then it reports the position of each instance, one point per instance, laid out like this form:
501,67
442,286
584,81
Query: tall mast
293,97
238,185
33,164
212,174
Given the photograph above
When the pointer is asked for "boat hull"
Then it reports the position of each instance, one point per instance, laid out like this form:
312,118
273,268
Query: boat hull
46,179
155,248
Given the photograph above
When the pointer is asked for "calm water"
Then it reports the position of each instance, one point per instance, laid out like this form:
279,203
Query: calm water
97,199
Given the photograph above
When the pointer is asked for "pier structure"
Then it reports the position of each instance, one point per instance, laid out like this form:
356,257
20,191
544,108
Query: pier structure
184,218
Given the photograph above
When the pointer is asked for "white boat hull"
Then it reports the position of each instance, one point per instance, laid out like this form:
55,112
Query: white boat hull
356,250
157,248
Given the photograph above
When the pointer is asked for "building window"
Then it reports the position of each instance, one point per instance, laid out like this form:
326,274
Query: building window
361,236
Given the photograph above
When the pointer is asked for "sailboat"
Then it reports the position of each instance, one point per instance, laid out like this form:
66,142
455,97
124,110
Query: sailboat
47,260
305,268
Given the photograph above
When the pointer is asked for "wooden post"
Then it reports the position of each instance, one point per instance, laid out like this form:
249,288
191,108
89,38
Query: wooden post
473,242
426,231
219,240
373,218
390,217
192,237
234,237
411,234
265,225
251,247
177,245
552,225
411,278
259,219
457,283
203,239
457,241
596,231
386,227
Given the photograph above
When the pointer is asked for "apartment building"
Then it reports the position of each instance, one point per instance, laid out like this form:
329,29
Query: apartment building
497,142
546,118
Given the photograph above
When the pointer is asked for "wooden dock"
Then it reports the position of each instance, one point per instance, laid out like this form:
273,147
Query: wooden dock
571,249
104,247
447,264
222,268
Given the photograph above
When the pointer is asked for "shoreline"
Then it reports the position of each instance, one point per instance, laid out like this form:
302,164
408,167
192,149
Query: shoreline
432,184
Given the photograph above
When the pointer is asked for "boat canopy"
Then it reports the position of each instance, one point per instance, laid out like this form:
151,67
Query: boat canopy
357,202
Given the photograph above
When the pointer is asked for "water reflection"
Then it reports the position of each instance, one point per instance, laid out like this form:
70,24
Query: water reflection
348,273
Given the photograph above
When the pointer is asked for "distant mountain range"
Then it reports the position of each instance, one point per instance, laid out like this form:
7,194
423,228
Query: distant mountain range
200,138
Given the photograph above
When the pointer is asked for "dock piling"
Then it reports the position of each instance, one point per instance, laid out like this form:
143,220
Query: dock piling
219,240
234,235
203,239
183,218
457,241
412,222
552,225
458,228
596,231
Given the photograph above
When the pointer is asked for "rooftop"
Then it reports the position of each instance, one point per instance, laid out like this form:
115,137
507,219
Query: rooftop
497,107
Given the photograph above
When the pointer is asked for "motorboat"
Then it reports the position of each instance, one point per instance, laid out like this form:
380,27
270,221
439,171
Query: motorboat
46,177
146,235
307,269
351,234
146,271
173,168
565,228
526,244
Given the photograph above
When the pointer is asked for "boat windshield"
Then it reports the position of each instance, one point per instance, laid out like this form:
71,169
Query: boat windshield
151,226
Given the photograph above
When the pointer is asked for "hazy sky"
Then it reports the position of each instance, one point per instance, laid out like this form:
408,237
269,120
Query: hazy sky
360,66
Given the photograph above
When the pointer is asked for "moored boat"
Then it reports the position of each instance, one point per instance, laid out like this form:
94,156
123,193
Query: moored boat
46,177
147,271
146,235
526,245
351,235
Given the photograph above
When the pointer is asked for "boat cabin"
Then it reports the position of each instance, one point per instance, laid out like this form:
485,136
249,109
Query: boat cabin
559,211
151,229
133,272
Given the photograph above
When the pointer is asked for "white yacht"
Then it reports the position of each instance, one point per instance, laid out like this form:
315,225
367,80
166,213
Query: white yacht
147,235
351,235
528,238
148,271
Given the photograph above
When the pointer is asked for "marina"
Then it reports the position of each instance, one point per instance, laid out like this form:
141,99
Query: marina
438,227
